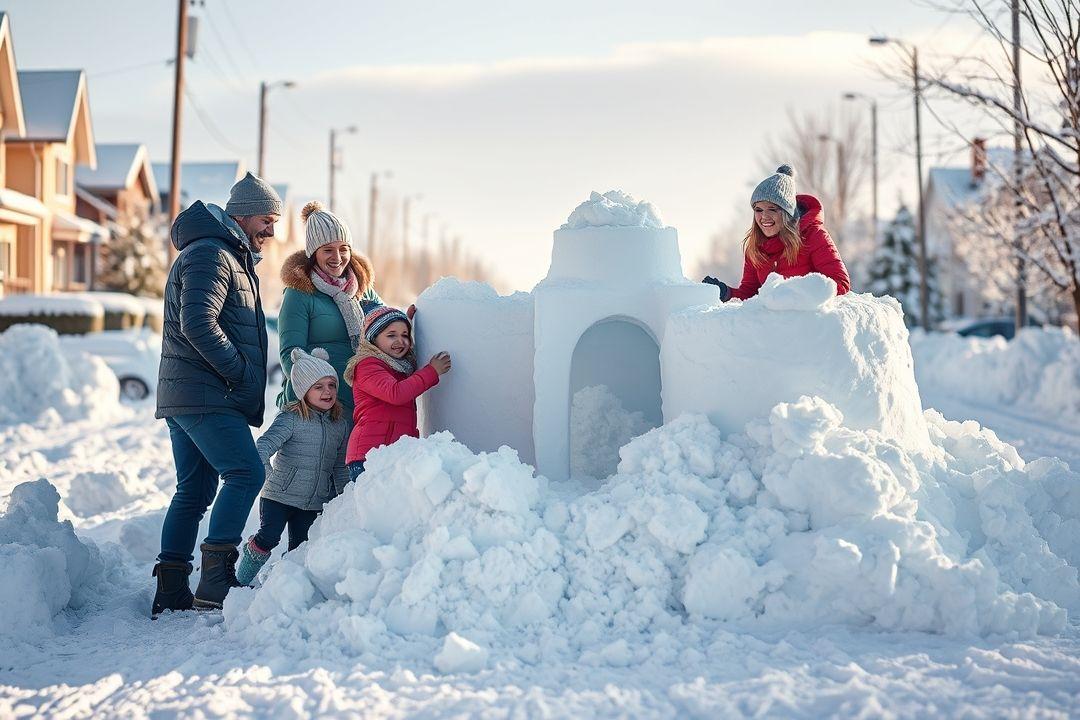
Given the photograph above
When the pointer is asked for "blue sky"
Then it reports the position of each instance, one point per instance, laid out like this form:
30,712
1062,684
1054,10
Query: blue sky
503,115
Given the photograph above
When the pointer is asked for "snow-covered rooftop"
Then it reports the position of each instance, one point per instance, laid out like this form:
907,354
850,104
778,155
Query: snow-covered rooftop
206,181
954,184
49,98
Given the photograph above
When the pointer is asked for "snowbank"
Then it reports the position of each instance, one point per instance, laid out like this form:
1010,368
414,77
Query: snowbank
735,361
65,304
115,301
1039,369
797,521
43,382
614,208
488,397
46,567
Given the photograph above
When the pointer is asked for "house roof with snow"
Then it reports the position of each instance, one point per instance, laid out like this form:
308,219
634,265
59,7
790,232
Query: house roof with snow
14,122
119,166
57,109
955,186
206,181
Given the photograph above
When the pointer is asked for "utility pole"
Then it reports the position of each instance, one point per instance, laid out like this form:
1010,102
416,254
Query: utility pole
334,165
373,206
873,155
261,165
924,280
1018,172
405,229
178,95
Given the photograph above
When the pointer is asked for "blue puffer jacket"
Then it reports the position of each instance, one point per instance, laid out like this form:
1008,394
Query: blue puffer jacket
213,351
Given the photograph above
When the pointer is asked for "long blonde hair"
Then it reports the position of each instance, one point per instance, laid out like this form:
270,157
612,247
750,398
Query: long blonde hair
788,235
301,408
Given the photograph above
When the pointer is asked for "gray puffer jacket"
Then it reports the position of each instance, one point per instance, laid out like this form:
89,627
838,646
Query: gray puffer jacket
308,469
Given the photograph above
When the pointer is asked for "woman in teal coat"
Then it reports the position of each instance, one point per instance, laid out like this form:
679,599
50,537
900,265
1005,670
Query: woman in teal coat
328,289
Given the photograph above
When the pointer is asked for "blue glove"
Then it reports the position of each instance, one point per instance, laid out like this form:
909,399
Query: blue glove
725,291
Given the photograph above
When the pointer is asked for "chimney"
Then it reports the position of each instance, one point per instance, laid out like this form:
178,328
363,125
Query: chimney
978,161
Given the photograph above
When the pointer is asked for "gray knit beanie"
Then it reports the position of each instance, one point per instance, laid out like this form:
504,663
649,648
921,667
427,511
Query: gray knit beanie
309,369
779,189
322,227
251,195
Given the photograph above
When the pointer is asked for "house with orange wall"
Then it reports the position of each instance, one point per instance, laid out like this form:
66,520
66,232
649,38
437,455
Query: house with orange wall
41,164
120,189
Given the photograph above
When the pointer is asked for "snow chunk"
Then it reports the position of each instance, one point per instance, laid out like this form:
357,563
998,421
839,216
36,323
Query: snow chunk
809,292
613,208
460,655
46,567
599,426
43,382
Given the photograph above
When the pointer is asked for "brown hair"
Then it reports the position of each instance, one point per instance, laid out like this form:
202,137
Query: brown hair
788,235
301,408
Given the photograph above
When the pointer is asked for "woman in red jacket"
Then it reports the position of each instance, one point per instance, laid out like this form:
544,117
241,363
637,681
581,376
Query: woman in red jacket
385,384
787,237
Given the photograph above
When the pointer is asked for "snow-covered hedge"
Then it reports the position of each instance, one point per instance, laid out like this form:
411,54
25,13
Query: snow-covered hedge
43,382
46,568
797,521
1038,369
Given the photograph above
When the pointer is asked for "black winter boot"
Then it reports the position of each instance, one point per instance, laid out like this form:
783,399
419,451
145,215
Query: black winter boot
218,575
173,591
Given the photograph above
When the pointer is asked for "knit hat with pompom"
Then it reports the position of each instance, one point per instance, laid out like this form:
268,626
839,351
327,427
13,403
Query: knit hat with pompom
309,369
322,227
779,189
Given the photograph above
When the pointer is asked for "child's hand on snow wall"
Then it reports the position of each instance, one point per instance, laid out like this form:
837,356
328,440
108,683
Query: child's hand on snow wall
441,362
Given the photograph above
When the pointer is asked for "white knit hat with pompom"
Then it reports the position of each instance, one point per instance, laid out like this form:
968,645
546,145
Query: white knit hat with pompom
322,227
309,369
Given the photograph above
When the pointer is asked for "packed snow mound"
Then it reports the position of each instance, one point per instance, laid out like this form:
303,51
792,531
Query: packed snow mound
451,288
614,208
735,361
599,426
46,567
797,521
44,383
1038,369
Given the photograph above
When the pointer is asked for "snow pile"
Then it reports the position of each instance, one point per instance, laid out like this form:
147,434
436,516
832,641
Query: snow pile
736,360
65,304
1038,369
599,426
797,521
43,382
613,208
46,567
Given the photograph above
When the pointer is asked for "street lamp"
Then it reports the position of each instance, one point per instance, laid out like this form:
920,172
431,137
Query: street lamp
913,57
264,89
841,185
873,152
334,165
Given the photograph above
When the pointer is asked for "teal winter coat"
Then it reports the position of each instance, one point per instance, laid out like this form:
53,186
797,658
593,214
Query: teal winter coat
309,319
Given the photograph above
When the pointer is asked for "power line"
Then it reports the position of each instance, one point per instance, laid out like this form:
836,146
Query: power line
130,68
239,34
210,126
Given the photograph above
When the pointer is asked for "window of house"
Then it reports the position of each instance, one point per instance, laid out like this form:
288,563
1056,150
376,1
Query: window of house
80,264
63,173
5,260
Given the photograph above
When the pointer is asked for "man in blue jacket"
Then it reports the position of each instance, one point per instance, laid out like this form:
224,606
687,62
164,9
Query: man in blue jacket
211,387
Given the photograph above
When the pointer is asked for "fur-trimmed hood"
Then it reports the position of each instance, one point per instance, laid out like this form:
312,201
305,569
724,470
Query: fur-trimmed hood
294,273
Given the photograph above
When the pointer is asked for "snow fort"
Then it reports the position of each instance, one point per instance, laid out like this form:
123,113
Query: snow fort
615,341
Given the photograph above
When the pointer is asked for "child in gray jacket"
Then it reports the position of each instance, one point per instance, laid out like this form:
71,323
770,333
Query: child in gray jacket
310,437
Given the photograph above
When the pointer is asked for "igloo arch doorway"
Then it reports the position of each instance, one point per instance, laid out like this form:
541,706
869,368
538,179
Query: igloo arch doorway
613,393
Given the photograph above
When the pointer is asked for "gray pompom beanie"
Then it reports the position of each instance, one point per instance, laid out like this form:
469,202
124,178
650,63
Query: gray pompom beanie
322,227
251,195
309,369
779,189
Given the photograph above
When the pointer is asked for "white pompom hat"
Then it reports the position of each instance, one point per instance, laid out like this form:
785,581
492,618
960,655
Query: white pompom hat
309,369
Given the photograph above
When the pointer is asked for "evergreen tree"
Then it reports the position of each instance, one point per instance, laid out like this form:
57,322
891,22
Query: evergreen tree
895,270
132,260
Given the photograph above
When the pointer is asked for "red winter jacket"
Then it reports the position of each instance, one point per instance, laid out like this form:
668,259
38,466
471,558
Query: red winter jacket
384,405
817,254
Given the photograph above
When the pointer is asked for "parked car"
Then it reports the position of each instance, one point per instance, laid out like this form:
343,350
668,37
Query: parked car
989,327
134,356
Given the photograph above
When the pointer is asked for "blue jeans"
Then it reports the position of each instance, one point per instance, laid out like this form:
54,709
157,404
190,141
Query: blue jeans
355,468
206,447
274,516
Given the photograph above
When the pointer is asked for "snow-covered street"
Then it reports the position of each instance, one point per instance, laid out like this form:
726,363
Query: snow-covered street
107,658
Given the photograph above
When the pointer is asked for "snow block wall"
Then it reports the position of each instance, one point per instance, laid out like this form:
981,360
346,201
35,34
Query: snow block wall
736,361
486,401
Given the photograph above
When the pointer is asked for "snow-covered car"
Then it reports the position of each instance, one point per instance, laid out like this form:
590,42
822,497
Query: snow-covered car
986,327
134,355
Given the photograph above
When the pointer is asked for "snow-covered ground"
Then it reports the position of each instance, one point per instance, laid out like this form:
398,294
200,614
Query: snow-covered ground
284,652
